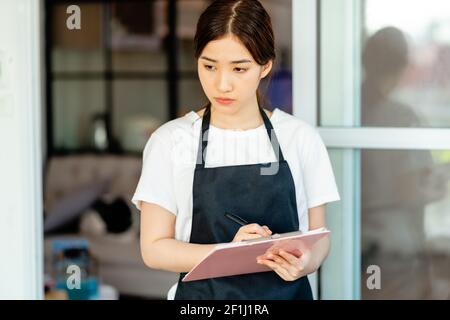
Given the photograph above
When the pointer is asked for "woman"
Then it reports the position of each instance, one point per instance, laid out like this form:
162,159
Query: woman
269,168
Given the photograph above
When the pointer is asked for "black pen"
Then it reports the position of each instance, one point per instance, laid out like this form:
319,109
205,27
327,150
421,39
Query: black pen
236,219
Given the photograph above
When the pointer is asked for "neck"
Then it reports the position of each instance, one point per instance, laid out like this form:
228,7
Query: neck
243,119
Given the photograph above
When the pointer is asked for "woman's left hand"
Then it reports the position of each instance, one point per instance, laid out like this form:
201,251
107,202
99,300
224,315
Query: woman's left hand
288,266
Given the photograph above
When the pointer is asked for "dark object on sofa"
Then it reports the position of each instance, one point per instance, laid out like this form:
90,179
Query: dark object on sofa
64,215
116,215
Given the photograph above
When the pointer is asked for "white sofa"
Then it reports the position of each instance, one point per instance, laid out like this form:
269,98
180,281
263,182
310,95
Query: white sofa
118,255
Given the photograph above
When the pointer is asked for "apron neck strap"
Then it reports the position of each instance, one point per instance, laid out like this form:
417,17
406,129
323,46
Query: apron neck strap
203,140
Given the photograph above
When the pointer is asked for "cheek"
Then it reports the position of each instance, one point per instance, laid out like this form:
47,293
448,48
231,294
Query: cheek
249,81
204,81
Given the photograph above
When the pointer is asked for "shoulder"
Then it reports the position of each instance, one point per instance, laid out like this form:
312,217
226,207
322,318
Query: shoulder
184,123
175,132
181,127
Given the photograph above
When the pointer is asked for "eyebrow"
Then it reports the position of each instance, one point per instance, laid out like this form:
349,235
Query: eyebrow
232,62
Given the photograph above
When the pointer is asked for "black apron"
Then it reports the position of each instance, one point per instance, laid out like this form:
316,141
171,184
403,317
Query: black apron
264,199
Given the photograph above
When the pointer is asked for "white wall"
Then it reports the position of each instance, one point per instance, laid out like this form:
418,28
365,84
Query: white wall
20,150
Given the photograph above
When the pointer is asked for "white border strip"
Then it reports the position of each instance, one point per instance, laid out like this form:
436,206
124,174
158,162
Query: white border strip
32,162
386,138
35,232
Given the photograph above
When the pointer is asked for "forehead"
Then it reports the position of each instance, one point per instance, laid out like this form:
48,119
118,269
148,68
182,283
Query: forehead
226,49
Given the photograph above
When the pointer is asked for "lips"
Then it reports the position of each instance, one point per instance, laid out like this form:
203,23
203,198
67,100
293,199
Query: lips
224,100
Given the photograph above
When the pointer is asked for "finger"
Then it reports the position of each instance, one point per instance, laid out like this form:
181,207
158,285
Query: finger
269,256
241,235
290,258
283,273
280,260
270,251
267,229
265,232
249,236
293,270
252,227
255,228
283,276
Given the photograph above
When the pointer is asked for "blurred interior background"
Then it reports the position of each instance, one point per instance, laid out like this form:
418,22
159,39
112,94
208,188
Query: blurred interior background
128,70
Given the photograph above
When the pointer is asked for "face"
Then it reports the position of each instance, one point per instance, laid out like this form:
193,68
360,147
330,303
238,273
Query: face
227,70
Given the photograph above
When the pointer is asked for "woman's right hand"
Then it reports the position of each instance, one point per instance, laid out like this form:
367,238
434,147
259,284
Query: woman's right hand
251,231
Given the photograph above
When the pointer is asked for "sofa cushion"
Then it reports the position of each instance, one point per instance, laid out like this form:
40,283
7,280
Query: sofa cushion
67,175
68,208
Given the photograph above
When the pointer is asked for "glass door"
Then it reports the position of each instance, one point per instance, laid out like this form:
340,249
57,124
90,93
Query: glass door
374,77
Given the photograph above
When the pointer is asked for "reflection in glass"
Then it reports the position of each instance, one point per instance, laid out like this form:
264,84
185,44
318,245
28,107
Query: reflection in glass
406,223
385,63
406,65
385,59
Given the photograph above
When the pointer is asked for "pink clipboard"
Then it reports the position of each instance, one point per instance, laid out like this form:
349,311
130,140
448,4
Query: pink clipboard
240,257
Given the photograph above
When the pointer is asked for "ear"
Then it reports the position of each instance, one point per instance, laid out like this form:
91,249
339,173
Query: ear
266,69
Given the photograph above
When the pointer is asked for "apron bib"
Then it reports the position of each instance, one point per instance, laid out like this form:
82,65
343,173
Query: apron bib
264,199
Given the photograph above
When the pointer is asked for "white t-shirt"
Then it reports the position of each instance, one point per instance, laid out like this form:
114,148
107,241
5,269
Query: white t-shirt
170,156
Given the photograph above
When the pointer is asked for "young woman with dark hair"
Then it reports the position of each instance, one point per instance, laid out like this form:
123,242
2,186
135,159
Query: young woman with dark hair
233,155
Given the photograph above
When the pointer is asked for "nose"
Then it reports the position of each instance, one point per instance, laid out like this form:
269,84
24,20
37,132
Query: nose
224,82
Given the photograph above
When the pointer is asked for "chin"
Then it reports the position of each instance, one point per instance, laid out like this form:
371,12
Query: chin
226,109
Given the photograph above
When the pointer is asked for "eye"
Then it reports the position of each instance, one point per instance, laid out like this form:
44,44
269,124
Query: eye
208,67
242,70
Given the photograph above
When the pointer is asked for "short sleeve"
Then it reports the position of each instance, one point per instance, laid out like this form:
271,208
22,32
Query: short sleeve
318,177
156,184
